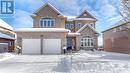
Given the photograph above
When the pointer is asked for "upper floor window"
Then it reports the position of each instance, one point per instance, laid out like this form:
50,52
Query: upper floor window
79,25
47,22
69,26
87,41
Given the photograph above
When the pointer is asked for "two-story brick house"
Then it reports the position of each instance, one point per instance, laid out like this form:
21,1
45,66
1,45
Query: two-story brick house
117,37
52,30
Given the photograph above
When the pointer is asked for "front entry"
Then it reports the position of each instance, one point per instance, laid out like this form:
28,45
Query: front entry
71,43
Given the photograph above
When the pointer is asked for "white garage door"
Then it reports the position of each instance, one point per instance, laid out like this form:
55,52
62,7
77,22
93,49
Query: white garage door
52,46
31,46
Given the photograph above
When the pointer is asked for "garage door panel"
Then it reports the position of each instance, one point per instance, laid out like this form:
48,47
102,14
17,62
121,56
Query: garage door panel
52,46
31,46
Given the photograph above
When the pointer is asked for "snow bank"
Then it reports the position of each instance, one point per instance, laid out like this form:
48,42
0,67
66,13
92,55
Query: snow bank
5,56
100,62
83,56
101,67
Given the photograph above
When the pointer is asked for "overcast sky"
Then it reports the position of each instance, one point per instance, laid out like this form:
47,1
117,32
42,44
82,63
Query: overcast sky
106,11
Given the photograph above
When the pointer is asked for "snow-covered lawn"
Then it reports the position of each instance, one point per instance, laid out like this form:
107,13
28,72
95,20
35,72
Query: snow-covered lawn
100,62
4,56
80,62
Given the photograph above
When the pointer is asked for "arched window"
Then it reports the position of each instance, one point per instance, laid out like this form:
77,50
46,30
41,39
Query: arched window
87,41
47,22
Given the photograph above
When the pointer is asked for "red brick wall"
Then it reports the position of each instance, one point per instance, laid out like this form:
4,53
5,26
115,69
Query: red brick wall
118,41
11,47
120,44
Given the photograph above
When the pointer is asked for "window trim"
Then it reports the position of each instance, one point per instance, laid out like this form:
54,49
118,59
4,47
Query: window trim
69,26
79,25
88,43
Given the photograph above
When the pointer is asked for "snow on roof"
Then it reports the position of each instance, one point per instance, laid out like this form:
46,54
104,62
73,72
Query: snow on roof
120,22
73,34
2,35
3,43
41,30
85,19
49,4
71,18
5,25
85,27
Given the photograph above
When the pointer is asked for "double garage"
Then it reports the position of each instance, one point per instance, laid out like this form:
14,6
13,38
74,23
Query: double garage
39,41
41,46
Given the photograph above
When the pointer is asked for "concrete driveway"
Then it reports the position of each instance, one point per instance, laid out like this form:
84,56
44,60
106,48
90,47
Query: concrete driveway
34,64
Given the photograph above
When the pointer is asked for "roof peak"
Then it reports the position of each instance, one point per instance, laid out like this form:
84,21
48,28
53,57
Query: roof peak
86,10
86,25
50,5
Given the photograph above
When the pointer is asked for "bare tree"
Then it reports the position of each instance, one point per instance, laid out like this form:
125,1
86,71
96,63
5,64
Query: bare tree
125,13
125,9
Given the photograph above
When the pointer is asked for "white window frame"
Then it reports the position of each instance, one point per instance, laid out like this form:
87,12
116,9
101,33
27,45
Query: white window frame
79,25
87,41
50,22
69,26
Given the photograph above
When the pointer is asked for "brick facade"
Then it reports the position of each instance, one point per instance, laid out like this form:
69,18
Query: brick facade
10,43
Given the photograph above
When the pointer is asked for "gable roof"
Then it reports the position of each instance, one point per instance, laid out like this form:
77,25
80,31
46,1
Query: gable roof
89,13
86,25
3,24
51,6
119,23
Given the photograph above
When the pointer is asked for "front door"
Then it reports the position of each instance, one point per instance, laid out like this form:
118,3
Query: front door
71,43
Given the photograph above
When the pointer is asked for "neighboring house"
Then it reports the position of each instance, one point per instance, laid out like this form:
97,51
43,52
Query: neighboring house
52,30
117,37
7,36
